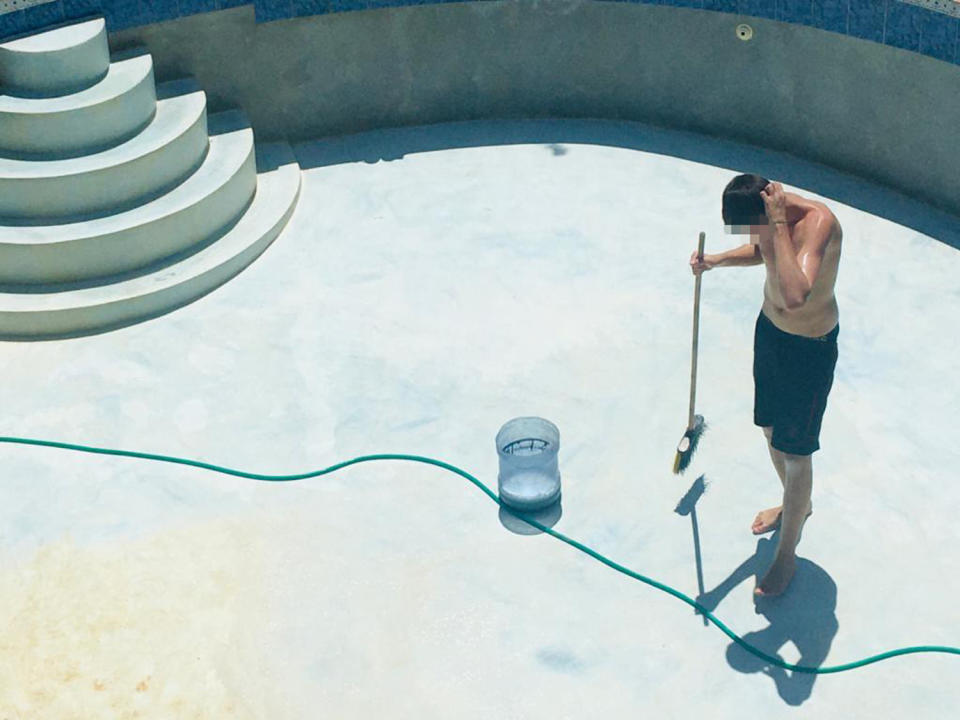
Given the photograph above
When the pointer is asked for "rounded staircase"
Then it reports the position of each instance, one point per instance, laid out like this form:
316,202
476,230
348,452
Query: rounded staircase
120,199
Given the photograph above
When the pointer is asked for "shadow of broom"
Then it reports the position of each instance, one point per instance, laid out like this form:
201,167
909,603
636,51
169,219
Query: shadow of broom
688,506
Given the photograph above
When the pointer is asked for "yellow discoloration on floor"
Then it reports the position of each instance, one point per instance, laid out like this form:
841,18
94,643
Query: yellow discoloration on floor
170,625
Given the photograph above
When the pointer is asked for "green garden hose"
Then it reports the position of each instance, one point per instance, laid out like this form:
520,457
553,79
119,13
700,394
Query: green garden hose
560,536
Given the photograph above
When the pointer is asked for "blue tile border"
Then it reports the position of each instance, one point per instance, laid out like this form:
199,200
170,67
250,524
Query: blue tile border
121,14
940,39
152,11
11,24
267,10
727,6
81,8
42,15
913,25
903,26
832,15
867,19
310,7
195,7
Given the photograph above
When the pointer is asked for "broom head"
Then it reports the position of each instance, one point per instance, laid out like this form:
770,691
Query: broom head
688,444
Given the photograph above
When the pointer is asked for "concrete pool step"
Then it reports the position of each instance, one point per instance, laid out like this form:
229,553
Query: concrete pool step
116,205
118,302
107,113
192,213
168,149
57,62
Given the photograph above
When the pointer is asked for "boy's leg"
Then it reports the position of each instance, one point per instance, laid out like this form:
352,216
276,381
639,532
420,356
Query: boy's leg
776,456
796,501
769,519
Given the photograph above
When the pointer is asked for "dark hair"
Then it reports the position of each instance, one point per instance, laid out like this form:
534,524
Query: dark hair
742,204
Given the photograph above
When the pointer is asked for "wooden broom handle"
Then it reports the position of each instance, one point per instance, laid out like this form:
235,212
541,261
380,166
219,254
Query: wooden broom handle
696,329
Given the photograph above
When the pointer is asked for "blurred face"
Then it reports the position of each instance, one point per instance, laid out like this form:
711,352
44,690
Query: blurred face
759,229
754,231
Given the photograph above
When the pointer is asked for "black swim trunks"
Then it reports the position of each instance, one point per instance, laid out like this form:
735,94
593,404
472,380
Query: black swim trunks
792,377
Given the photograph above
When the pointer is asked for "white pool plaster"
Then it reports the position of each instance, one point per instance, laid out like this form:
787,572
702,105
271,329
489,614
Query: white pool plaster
414,305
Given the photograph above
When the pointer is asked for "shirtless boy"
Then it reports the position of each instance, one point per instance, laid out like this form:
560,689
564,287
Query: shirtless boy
795,342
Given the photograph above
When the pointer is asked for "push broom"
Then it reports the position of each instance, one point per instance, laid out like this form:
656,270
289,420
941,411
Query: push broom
695,423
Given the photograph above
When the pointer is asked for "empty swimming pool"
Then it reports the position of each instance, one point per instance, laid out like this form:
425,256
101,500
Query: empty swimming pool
428,283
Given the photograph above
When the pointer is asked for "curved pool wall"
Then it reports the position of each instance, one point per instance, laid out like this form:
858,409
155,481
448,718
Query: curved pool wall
870,88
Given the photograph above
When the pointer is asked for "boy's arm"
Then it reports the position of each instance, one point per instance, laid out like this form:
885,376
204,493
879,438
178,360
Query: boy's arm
748,254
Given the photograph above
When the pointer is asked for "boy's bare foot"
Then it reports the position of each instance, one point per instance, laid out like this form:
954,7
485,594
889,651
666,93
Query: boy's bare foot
777,579
768,520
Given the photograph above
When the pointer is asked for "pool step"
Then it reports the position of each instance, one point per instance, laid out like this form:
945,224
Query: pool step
168,149
192,213
106,114
116,203
120,302
57,62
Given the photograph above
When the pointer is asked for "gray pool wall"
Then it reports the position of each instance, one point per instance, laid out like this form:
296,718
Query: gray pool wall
852,97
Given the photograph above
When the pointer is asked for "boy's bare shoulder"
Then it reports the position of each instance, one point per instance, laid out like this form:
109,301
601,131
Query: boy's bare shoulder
827,214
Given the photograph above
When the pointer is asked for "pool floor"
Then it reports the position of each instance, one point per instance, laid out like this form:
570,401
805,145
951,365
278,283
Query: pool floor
434,283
